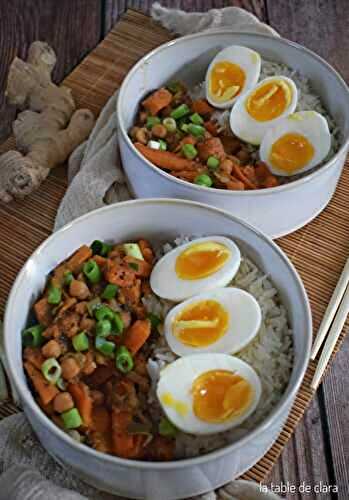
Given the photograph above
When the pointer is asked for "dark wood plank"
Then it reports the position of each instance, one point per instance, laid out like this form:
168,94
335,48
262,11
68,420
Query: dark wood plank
114,8
336,396
320,25
73,28
303,461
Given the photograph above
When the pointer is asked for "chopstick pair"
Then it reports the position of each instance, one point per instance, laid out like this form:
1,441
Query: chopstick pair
331,325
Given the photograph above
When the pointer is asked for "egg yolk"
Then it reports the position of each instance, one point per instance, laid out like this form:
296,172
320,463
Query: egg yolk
226,80
220,395
168,400
201,260
269,101
291,152
201,323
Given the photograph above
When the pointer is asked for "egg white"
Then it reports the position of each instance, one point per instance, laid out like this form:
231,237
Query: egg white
166,284
244,126
311,125
250,62
245,319
178,377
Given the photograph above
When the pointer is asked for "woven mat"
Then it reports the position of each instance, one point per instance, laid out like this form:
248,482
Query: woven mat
318,251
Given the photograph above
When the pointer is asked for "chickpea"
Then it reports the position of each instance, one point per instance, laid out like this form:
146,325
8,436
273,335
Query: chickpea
63,402
159,131
52,349
89,365
81,308
100,359
97,397
226,166
133,132
87,324
79,289
70,368
143,136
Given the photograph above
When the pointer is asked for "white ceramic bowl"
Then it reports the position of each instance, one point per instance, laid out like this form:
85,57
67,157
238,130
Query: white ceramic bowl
157,220
277,211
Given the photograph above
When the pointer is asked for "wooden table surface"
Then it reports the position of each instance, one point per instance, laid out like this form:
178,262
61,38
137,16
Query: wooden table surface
318,453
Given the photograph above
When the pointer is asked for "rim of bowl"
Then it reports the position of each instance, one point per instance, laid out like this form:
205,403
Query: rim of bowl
224,192
27,397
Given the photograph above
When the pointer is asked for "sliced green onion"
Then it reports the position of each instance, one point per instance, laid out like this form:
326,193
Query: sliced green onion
163,145
155,321
174,87
105,346
133,250
54,296
184,127
123,360
80,342
154,145
103,328
166,428
196,119
203,180
33,336
51,370
71,419
100,248
170,124
196,130
151,121
189,151
180,111
104,312
68,278
61,384
93,305
92,272
212,162
117,324
110,291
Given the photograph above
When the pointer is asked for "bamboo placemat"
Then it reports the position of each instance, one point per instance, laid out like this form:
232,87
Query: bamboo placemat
318,251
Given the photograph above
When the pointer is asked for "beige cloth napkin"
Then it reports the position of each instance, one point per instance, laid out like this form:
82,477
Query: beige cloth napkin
95,171
95,179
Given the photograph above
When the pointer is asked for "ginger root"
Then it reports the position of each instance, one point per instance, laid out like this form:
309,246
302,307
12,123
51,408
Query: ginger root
48,129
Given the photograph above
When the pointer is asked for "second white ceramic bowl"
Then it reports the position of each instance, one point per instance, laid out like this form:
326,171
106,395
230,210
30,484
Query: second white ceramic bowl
277,211
158,220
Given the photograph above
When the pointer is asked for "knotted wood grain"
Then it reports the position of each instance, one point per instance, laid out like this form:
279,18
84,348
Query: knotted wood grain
318,251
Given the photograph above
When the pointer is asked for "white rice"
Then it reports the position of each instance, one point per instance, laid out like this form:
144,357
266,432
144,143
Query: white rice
308,100
270,354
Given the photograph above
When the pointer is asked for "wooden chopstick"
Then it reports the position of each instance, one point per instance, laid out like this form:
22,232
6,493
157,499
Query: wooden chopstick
331,309
332,338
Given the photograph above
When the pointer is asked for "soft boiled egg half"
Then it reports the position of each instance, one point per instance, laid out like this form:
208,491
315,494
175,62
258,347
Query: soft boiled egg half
298,143
232,72
262,107
203,264
208,393
224,320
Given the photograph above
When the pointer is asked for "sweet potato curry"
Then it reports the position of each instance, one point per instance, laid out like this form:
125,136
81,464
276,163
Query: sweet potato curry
86,356
181,136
